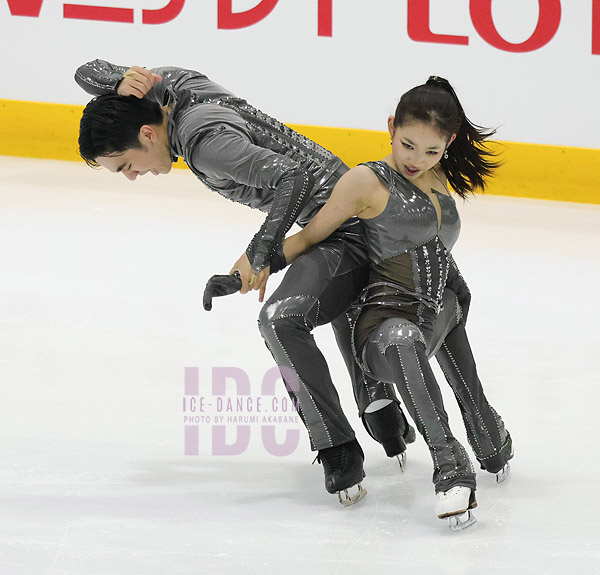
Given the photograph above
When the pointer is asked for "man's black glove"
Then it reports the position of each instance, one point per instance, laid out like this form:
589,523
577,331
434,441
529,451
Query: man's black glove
218,286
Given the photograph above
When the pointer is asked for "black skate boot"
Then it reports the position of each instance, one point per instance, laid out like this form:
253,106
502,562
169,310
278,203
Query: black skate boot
498,464
343,468
389,427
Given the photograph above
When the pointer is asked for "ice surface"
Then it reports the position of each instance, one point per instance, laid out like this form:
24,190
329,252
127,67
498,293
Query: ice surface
101,312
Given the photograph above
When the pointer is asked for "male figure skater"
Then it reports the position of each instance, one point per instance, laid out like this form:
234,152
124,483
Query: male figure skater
142,120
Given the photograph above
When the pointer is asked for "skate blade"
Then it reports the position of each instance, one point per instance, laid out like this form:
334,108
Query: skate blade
401,457
461,522
503,474
346,500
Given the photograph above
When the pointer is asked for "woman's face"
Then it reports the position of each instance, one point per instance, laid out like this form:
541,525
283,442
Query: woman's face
416,147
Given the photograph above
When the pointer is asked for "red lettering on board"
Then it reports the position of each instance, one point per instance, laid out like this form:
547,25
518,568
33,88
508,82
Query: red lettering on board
105,14
418,26
418,20
325,21
596,27
548,23
227,19
30,8
163,15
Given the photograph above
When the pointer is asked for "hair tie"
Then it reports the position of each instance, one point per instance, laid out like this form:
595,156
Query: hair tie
438,80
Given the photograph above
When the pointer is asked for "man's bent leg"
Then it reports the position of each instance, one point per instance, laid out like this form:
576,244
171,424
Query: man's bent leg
311,294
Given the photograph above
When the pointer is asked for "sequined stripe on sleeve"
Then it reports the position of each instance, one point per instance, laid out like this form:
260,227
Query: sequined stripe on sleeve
99,77
291,194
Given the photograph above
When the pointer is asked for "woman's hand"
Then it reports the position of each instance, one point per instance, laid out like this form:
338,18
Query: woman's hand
250,280
243,267
259,282
137,81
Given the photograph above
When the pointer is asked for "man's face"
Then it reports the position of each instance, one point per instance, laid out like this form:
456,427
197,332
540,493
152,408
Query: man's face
154,157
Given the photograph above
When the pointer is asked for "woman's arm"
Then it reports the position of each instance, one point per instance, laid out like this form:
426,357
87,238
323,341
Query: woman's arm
352,196
357,193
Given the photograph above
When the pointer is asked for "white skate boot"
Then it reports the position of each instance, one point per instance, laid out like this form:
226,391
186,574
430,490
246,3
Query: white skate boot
455,505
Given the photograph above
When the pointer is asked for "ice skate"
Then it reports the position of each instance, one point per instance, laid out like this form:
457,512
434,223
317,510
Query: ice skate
499,465
343,468
455,505
389,427
503,474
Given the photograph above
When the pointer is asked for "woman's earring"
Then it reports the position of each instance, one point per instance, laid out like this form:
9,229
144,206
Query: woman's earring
445,154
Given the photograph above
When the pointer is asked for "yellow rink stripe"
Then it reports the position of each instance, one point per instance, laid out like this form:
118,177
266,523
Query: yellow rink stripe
40,130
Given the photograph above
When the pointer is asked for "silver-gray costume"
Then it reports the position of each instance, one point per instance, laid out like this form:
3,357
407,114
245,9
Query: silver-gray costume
415,307
251,158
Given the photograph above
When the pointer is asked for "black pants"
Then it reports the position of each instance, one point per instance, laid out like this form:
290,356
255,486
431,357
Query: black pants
399,351
317,289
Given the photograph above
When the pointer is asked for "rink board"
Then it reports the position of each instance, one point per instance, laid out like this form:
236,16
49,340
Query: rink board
50,131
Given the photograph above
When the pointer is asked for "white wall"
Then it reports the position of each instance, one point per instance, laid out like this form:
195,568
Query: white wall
352,78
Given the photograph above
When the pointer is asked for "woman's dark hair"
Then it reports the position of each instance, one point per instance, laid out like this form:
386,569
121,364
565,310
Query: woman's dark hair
470,161
111,125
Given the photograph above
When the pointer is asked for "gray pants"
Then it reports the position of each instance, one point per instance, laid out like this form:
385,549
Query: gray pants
317,289
399,351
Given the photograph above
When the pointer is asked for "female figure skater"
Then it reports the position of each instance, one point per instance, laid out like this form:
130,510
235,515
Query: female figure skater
416,303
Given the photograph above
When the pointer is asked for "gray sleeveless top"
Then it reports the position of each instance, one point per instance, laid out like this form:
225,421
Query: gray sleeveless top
409,255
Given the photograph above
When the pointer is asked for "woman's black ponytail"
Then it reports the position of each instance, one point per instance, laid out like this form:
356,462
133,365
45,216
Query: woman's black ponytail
469,160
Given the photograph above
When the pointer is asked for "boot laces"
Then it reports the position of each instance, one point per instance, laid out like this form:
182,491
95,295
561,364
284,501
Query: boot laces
334,458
